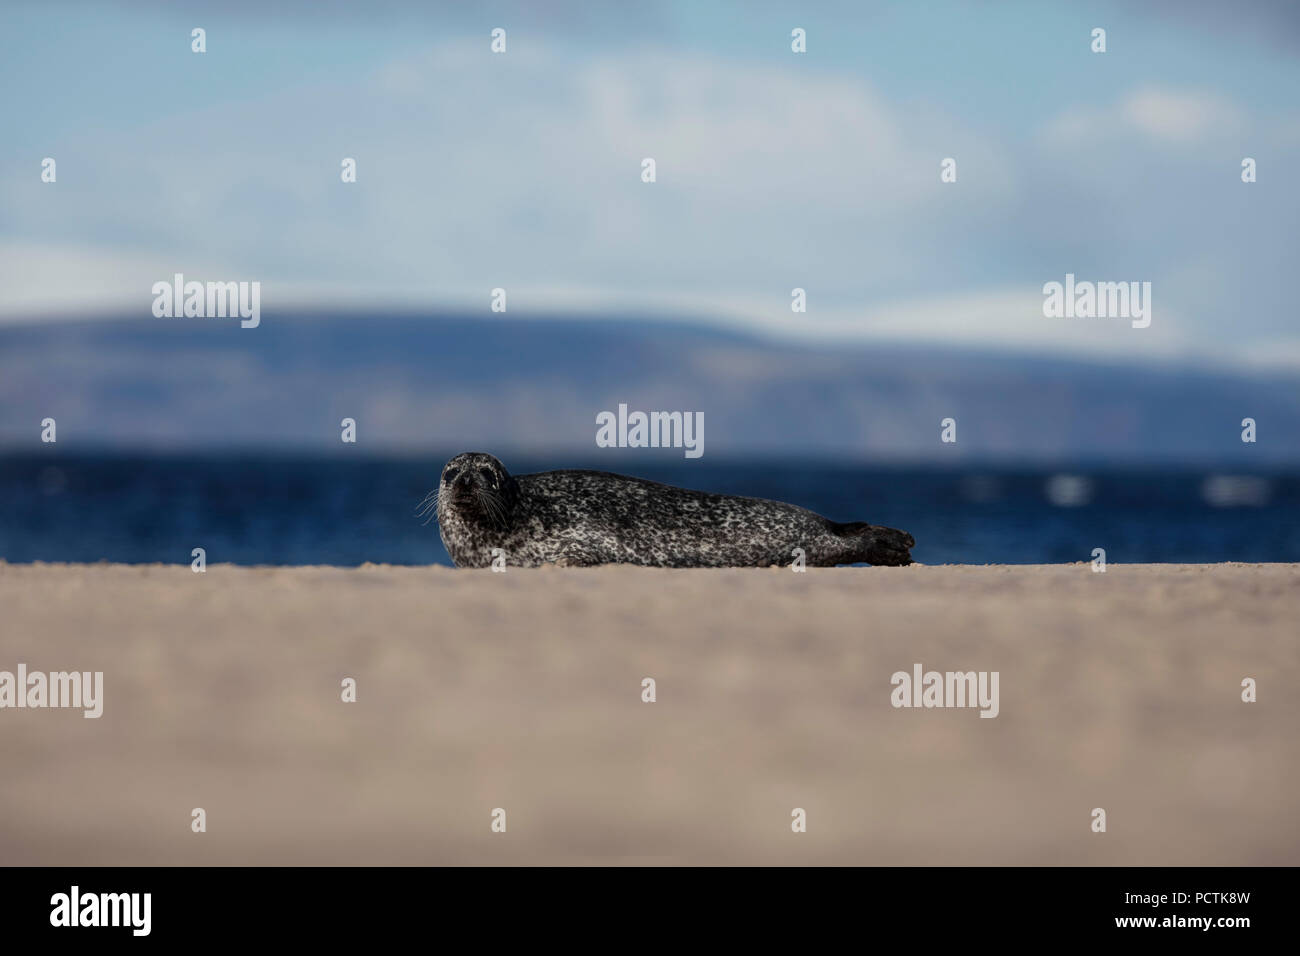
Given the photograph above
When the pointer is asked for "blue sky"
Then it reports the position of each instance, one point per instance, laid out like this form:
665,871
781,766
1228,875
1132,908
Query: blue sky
775,170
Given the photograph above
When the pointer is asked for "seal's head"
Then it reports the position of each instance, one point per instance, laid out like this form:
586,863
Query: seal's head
477,489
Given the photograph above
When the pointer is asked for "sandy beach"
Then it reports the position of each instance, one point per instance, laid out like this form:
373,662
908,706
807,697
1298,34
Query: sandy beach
523,691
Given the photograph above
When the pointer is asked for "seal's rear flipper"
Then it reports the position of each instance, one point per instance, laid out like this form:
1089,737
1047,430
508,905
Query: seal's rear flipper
875,545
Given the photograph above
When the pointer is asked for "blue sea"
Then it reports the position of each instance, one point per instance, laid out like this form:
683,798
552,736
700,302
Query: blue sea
283,510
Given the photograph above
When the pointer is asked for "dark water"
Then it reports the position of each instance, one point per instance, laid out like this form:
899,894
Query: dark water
285,510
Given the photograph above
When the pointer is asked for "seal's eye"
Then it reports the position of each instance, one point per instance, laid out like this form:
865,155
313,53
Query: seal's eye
450,476
490,478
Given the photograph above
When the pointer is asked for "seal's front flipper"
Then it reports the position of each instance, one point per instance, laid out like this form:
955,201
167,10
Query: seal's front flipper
874,544
575,556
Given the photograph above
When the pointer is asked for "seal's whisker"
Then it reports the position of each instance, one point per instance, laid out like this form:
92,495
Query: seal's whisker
428,506
491,506
499,510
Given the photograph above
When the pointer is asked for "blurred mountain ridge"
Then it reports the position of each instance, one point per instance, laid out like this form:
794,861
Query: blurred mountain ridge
444,380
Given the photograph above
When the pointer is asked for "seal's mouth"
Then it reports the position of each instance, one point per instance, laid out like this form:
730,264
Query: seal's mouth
478,503
470,500
463,499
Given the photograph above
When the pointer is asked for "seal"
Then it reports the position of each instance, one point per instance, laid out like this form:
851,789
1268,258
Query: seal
585,518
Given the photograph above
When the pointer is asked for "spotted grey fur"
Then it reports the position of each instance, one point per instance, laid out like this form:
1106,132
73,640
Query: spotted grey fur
582,518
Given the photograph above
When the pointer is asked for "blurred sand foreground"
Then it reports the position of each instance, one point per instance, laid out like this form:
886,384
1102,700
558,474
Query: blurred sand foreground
522,691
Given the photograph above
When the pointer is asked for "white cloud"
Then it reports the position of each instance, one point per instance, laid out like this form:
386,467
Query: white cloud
40,279
1161,116
1179,116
